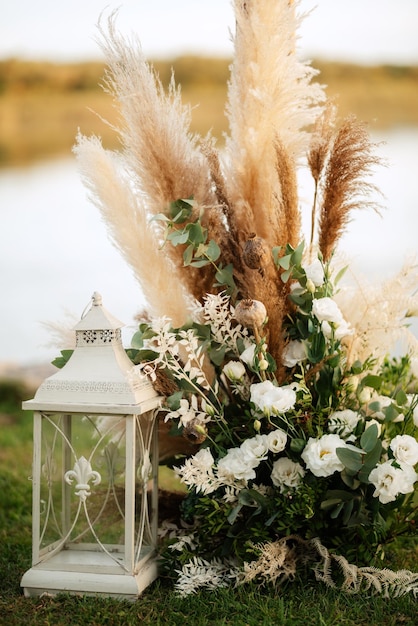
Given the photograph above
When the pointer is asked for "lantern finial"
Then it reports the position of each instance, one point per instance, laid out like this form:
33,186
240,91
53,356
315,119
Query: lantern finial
96,299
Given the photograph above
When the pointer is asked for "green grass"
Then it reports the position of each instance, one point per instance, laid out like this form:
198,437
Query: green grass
297,603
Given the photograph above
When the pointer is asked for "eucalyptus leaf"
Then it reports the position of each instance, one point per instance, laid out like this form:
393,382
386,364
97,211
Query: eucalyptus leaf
351,459
188,255
298,253
224,276
181,209
250,497
347,511
173,401
335,512
62,360
178,237
297,445
234,514
199,262
369,438
391,413
286,275
284,262
197,234
401,398
373,381
213,251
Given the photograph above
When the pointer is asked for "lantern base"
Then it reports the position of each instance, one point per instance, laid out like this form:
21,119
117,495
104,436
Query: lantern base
51,578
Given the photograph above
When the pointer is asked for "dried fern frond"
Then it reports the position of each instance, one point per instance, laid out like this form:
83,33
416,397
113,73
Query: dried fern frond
357,579
279,560
344,186
124,213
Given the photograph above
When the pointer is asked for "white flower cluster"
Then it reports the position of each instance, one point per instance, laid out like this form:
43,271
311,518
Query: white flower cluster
237,467
396,476
320,455
328,313
271,399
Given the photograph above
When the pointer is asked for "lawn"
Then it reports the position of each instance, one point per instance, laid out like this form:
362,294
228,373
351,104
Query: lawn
300,602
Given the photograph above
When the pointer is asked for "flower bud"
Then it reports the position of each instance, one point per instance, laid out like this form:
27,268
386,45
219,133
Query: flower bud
364,396
310,286
263,364
234,370
257,425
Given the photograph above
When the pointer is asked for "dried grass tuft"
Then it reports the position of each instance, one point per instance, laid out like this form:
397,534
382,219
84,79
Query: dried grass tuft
344,187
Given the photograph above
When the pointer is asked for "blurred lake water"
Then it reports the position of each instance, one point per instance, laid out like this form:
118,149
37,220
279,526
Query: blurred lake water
55,252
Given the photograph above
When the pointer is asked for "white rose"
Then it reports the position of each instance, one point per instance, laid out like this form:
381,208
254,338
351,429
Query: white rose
343,422
320,455
236,465
390,481
248,355
276,440
341,329
271,399
255,449
234,370
286,474
315,273
405,449
294,353
326,310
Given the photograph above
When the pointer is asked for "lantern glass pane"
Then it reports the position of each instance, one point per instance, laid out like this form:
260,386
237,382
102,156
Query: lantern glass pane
88,498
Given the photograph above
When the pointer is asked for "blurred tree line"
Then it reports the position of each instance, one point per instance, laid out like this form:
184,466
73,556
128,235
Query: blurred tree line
42,105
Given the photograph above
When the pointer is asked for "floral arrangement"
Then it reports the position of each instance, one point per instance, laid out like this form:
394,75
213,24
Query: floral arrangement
323,450
303,433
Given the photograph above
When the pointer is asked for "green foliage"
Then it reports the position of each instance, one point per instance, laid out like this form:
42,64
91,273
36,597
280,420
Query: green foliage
183,229
62,360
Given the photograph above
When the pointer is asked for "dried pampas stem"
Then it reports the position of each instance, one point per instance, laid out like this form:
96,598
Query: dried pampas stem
344,187
319,149
270,99
127,223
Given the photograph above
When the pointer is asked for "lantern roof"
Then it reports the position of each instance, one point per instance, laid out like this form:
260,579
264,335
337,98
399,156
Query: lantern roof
99,376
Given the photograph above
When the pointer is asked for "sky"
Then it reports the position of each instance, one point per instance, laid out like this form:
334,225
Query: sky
362,31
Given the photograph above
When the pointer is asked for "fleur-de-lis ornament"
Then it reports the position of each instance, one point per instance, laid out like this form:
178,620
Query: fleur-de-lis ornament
82,473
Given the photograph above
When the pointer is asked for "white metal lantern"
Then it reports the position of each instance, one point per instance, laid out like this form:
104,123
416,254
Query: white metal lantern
95,463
